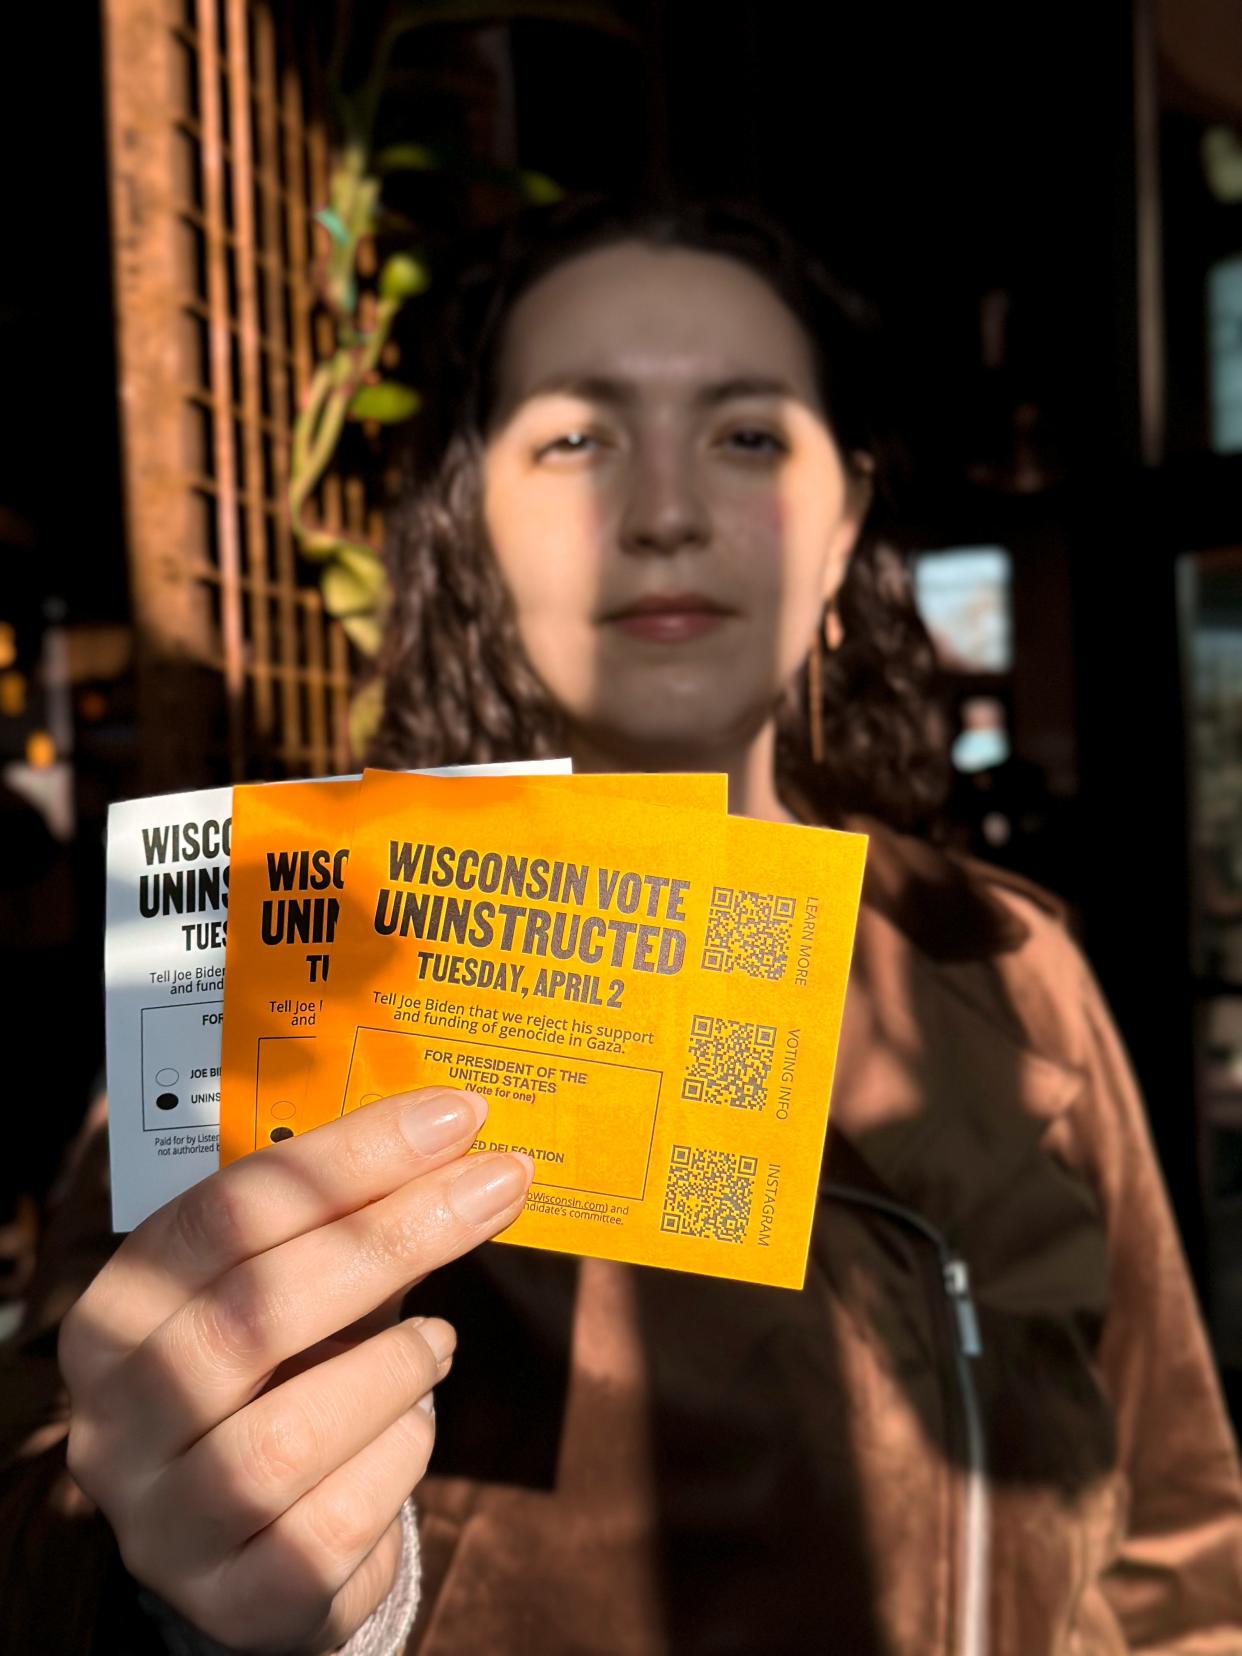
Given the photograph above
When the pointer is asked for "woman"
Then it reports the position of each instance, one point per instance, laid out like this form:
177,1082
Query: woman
650,535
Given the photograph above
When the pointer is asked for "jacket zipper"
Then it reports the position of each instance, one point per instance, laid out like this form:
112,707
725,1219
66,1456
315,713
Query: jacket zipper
974,1540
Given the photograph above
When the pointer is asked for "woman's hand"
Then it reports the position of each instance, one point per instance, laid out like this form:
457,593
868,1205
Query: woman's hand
244,1408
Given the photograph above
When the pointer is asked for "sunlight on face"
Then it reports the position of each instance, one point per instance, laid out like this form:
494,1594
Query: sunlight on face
663,496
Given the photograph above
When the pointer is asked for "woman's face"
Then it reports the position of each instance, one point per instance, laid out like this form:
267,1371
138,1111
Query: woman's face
664,498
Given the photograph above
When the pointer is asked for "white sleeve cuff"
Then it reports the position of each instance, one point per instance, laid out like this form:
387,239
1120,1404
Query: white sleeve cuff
384,1633
388,1626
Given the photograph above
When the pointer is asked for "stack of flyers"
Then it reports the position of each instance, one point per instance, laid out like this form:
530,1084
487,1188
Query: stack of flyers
647,991
168,872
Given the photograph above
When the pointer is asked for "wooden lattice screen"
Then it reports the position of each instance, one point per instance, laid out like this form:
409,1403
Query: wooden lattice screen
218,159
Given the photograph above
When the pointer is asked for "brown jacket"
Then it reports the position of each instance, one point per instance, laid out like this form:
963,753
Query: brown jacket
989,1421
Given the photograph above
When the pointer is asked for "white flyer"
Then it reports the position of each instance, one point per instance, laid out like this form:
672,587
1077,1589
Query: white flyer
166,913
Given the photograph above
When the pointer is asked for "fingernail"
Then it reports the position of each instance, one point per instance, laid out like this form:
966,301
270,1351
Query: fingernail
436,1122
427,1403
485,1187
440,1336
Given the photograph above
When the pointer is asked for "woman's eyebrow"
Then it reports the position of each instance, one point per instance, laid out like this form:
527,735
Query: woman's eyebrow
587,387
742,385
620,393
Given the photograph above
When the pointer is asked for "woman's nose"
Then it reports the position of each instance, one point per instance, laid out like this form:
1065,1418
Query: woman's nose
664,509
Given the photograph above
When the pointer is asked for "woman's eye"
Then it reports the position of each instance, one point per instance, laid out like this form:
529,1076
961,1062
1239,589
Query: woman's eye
570,442
755,440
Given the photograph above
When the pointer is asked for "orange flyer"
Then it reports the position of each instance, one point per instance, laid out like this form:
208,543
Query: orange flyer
649,997
290,853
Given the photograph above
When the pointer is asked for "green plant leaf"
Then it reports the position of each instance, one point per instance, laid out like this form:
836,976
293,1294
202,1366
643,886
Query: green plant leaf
538,189
354,583
403,276
366,709
388,402
317,544
407,158
333,224
365,633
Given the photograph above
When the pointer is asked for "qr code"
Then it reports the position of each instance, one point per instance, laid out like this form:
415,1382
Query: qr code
729,1062
748,931
708,1194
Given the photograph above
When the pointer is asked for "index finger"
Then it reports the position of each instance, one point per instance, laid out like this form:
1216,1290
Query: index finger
274,1195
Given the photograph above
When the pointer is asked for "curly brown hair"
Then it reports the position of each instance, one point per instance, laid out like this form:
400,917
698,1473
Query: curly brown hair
458,688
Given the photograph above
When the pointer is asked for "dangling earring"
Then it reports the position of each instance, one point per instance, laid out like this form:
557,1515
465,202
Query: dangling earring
829,636
815,702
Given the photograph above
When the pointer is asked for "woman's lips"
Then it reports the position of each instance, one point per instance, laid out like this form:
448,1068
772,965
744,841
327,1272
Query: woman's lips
672,619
